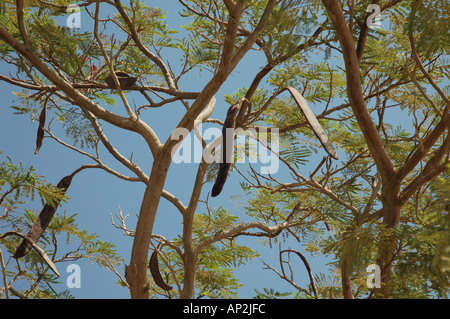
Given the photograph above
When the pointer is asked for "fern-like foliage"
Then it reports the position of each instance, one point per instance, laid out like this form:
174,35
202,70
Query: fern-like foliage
63,240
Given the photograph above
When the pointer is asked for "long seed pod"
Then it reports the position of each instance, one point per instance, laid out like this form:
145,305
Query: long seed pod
156,274
40,131
43,220
125,80
313,122
38,249
227,149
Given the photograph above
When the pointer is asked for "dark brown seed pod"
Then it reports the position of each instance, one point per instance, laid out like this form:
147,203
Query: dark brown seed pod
42,222
40,131
124,79
156,274
227,149
313,122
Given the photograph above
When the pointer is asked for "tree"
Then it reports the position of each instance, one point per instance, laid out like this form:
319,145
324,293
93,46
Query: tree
388,170
364,209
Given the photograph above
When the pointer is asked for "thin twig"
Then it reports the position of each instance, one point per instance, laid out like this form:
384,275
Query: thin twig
308,268
5,281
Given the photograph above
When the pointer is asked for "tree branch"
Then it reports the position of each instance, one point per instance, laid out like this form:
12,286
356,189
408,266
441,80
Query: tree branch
5,280
433,168
250,40
427,143
270,231
354,91
165,71
269,67
109,64
112,150
363,35
21,23
96,85
77,97
308,269
426,74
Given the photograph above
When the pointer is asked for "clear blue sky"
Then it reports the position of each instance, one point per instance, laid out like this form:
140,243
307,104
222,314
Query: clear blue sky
95,194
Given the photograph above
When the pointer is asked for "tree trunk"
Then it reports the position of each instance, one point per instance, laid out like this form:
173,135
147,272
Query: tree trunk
136,271
190,251
346,281
190,261
391,218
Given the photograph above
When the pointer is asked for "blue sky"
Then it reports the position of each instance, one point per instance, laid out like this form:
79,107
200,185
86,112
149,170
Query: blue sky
95,194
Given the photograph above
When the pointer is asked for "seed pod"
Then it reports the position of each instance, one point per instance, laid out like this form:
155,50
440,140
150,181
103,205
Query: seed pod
313,122
38,249
227,149
221,178
40,131
43,220
124,79
156,274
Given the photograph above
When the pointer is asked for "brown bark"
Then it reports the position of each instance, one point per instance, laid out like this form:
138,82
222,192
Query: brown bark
190,261
136,271
391,212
